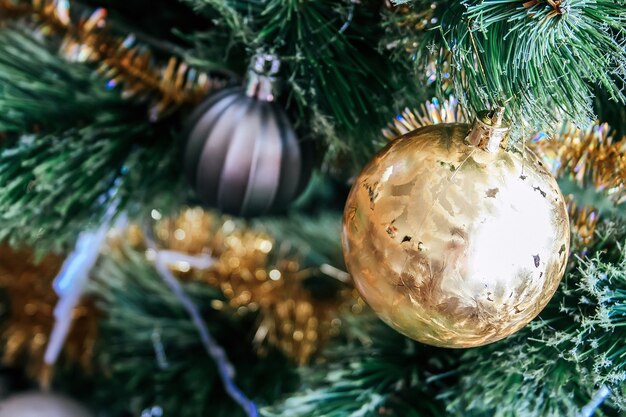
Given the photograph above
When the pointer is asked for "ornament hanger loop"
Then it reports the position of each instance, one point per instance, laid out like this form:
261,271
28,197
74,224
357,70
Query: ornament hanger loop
261,82
266,64
496,116
489,132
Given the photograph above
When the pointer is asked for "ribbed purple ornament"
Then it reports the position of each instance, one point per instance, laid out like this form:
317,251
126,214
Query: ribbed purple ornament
242,154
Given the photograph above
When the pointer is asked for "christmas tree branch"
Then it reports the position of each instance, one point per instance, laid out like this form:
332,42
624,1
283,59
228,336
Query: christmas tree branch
120,60
152,353
83,138
532,56
38,88
386,375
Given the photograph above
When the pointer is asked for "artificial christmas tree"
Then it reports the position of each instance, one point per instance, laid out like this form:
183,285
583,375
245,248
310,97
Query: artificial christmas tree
188,312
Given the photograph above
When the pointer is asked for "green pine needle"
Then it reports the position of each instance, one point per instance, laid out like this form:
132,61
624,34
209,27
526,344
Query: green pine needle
84,139
385,377
142,316
38,88
542,62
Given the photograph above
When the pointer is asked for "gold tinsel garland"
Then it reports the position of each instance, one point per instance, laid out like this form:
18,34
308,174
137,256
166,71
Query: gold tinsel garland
29,314
254,273
590,157
121,61
430,113
257,276
250,269
584,221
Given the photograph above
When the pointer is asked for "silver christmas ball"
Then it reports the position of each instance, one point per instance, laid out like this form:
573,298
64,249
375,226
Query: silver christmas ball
242,154
37,404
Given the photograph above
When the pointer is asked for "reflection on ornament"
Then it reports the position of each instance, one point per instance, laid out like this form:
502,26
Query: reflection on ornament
37,404
452,240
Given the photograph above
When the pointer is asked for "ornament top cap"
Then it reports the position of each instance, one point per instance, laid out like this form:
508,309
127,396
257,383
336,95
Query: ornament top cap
261,80
489,132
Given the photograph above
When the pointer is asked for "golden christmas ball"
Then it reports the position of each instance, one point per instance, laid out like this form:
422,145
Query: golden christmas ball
453,240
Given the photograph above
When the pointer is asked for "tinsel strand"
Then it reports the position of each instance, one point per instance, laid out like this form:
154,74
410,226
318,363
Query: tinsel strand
256,277
121,60
591,157
213,349
430,113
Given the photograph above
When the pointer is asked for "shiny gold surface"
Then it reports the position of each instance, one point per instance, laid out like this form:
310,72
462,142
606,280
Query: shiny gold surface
452,245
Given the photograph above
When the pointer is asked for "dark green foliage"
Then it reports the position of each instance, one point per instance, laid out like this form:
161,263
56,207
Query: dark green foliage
387,376
139,309
69,144
39,90
555,366
43,196
151,20
315,238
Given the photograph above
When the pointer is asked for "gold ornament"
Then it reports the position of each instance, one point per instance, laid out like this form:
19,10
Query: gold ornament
589,157
452,240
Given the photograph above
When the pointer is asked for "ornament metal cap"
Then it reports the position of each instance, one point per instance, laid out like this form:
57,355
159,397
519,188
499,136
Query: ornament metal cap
488,132
261,80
